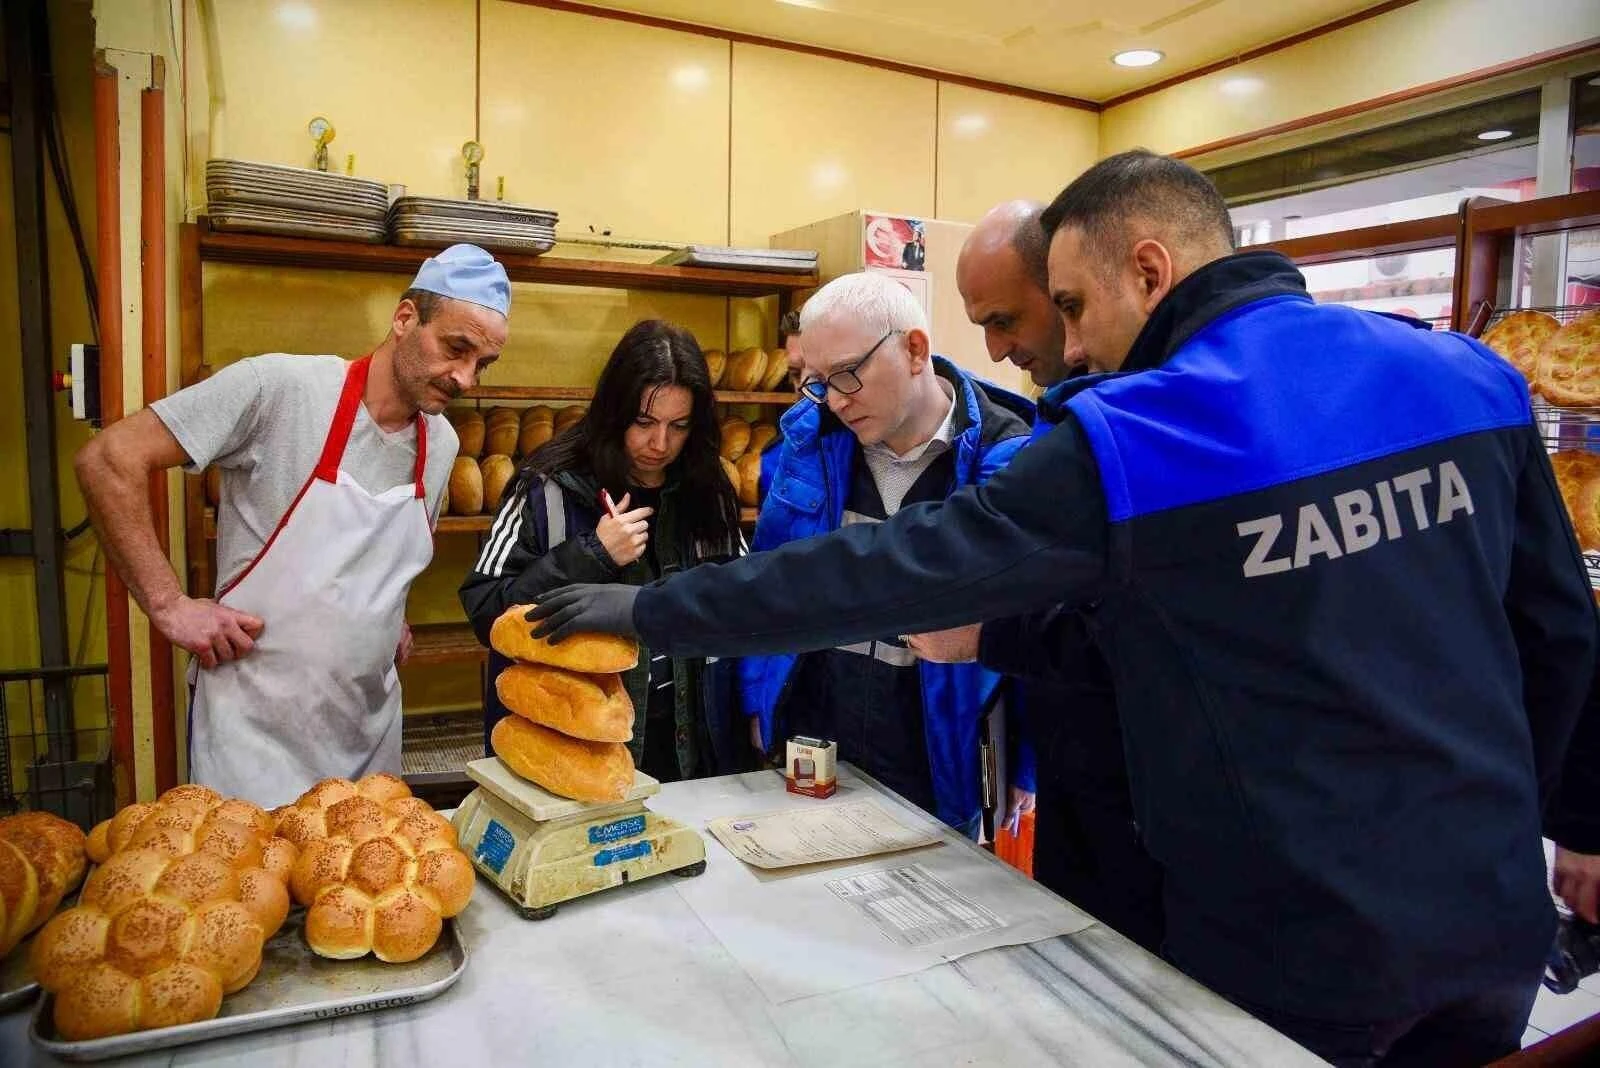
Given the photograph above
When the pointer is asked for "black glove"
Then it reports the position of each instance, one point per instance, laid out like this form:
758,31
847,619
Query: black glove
586,607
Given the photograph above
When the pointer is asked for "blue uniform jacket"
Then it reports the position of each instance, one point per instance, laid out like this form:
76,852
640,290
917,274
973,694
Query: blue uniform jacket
805,480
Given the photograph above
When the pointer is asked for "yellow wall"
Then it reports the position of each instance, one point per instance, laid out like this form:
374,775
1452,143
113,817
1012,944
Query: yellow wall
994,148
648,133
1414,45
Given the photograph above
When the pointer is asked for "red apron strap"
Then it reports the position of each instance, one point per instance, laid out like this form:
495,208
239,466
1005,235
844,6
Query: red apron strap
344,418
422,454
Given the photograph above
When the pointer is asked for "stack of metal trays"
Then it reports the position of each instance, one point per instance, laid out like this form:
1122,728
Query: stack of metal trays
780,260
434,221
269,198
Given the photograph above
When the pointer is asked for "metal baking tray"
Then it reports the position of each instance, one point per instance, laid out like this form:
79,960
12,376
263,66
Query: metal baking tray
463,226
777,260
293,986
527,245
245,220
17,985
224,191
326,182
485,210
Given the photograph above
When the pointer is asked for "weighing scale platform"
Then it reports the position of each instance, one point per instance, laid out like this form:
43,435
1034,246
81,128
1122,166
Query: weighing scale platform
541,849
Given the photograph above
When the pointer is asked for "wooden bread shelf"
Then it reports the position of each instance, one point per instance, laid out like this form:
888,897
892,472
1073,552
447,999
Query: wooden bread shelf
445,643
263,250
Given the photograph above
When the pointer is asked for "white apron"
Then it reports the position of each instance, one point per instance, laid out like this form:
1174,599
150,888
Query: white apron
319,695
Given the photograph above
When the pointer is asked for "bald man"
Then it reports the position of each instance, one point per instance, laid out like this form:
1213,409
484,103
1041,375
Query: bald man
1085,847
1004,281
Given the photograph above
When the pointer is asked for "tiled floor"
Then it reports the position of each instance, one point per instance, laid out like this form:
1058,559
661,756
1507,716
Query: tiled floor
1557,1012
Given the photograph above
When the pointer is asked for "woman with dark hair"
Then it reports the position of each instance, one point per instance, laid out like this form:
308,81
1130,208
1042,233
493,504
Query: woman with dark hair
631,492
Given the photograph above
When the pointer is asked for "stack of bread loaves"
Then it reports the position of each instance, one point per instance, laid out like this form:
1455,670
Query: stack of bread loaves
378,869
41,860
572,713
188,890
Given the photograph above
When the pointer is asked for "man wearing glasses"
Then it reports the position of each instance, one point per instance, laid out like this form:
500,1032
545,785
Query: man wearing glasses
888,425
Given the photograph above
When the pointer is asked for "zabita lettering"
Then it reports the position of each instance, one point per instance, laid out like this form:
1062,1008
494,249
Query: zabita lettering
1355,521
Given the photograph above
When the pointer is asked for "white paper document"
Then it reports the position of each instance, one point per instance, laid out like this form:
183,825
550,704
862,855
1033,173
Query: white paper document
816,835
914,907
796,935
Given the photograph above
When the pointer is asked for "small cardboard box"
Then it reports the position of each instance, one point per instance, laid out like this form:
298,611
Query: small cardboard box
810,766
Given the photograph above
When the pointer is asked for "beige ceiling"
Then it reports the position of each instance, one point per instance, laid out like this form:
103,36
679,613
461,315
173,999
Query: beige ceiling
1061,46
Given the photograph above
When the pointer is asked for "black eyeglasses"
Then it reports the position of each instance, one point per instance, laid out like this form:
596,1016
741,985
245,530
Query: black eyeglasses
846,380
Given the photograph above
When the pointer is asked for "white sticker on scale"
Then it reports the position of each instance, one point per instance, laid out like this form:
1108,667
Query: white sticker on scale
912,907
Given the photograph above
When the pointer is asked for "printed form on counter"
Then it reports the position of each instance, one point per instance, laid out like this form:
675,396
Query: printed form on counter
913,907
816,835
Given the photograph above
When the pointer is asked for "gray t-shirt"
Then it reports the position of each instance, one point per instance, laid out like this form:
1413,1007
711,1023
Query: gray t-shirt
263,421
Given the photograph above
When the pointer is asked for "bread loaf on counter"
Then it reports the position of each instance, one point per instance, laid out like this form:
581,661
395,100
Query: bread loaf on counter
593,707
570,767
589,654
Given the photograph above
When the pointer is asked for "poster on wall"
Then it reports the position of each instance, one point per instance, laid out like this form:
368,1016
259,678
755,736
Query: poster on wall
893,241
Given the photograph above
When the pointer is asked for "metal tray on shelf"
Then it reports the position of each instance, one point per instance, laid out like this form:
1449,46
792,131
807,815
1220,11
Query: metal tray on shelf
300,224
521,231
436,208
293,986
17,985
221,192
783,261
317,183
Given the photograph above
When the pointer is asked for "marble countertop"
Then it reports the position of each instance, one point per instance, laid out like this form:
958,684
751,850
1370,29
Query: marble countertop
634,977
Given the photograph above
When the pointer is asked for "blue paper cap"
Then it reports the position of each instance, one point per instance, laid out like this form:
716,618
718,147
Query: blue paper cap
466,272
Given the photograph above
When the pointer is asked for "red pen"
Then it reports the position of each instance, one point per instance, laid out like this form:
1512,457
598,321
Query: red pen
608,504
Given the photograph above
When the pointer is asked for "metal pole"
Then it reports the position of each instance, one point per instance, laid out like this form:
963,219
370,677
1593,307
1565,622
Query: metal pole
26,59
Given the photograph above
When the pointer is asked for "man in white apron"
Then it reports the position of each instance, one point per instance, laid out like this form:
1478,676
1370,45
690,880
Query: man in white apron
332,475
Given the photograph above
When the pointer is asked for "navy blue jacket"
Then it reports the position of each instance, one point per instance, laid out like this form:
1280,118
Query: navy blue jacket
1348,625
805,481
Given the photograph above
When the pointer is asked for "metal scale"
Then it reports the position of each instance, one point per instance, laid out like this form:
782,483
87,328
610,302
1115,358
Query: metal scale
541,849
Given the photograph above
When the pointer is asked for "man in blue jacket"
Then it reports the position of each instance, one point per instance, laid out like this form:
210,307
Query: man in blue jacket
1344,610
885,424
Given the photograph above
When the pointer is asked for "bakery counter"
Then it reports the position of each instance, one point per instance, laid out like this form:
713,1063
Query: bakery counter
639,975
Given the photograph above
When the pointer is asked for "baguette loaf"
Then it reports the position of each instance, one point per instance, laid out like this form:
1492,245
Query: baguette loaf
501,437
470,430
498,471
761,435
735,438
590,654
466,486
41,860
716,365
570,767
777,371
535,432
593,707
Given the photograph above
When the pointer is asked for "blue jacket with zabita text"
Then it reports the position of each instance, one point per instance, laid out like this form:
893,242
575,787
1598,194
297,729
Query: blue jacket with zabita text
1347,623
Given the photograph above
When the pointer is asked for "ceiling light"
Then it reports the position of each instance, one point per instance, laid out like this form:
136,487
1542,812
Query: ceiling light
971,125
1138,57
1494,135
691,77
297,16
1242,86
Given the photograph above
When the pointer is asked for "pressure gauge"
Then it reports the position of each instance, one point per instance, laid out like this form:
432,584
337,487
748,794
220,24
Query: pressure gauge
472,152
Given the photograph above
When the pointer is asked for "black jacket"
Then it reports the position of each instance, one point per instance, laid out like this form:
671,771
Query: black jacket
1350,634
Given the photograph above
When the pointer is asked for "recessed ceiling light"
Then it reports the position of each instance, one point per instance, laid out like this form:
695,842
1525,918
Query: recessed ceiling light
1494,135
1138,57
